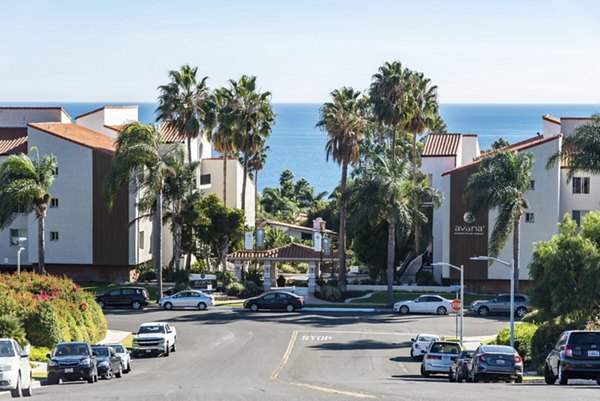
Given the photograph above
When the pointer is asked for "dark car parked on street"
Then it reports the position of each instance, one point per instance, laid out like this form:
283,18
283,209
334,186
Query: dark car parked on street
131,297
495,362
109,363
576,355
458,370
501,304
72,361
275,300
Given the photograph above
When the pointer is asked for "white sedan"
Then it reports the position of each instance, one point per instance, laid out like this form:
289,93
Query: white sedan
424,304
15,372
420,344
187,299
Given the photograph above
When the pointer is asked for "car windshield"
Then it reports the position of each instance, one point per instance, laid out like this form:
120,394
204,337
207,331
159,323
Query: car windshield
118,348
70,350
151,329
6,349
585,338
498,349
101,351
427,338
444,348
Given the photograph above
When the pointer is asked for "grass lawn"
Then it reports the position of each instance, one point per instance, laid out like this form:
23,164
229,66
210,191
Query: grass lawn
380,297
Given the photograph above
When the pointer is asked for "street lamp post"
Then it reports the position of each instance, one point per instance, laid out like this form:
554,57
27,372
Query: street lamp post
19,259
512,291
462,293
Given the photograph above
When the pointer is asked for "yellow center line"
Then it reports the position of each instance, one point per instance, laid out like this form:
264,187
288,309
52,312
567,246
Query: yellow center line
284,360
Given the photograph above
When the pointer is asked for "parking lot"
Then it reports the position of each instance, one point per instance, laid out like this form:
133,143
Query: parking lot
239,355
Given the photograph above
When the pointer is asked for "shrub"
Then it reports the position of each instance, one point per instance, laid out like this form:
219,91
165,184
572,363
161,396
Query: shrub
11,327
330,292
524,333
234,289
532,317
250,290
226,277
254,276
176,276
425,277
146,272
38,354
42,326
286,268
302,268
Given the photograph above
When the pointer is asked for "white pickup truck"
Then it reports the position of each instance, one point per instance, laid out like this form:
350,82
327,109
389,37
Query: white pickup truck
154,338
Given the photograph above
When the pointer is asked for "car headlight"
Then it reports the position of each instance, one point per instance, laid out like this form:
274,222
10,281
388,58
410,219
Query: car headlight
6,368
52,363
85,362
103,364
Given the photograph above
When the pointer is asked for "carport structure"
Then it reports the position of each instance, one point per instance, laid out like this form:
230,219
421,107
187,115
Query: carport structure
287,253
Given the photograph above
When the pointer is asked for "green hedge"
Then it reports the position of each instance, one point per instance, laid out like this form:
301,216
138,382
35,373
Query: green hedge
524,333
52,309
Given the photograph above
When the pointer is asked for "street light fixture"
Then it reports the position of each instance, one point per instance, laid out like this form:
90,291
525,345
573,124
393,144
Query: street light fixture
19,259
462,293
512,291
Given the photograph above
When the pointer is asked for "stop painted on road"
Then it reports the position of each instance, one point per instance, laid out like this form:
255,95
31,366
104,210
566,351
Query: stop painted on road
316,338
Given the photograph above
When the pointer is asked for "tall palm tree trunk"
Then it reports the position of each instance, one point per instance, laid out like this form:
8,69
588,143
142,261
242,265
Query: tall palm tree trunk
415,200
41,242
189,149
391,255
516,251
244,182
157,229
394,144
342,241
177,232
225,178
255,197
225,251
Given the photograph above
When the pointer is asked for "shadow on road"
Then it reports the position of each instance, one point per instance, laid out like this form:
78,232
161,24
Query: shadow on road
356,345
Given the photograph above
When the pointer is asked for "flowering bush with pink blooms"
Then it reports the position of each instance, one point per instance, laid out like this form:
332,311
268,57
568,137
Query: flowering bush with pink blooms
52,308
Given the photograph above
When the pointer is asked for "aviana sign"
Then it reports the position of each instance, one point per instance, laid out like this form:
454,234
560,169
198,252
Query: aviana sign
469,228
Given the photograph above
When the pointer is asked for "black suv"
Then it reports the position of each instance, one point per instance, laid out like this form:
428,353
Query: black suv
576,355
133,297
72,361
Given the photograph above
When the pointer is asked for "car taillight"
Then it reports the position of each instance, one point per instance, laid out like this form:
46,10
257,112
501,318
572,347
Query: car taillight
482,357
433,357
568,352
518,359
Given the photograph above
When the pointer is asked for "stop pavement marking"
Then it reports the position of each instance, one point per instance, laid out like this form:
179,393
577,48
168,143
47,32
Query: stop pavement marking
316,338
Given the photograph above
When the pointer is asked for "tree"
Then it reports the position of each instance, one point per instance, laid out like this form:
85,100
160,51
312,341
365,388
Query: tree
25,184
222,133
565,273
278,206
499,144
140,164
256,163
345,127
185,102
501,182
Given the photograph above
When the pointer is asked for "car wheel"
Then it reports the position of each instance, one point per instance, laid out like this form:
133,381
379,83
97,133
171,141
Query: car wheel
168,350
17,391
562,377
519,379
202,306
136,305
128,368
483,311
451,378
91,379
521,312
598,381
424,373
549,378
476,378
254,307
289,308
168,306
101,304
109,374
119,374
412,356
459,377
404,309
27,392
174,347
442,310
96,377
53,379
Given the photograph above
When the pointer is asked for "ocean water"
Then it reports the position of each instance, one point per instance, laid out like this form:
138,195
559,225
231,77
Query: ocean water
296,144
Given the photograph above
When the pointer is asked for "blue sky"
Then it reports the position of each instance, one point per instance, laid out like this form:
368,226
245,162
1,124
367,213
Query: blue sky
475,51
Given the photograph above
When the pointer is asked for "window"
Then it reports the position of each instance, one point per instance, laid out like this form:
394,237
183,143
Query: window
53,235
581,185
19,209
17,237
532,185
141,239
529,217
205,179
503,298
577,215
54,202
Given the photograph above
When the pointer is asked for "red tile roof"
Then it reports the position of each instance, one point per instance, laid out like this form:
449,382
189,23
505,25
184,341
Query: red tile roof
171,134
105,107
116,128
78,134
441,145
552,119
291,251
13,141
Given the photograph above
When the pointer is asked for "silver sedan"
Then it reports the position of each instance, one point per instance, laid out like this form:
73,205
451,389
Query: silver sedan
187,299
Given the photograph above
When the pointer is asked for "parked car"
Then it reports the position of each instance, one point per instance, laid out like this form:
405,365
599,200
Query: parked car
501,304
275,300
420,344
15,371
109,363
187,299
458,370
439,357
576,355
72,361
495,362
154,338
124,354
424,304
132,297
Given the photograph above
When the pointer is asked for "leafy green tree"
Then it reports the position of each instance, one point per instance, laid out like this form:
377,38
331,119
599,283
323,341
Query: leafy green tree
499,144
590,227
501,182
25,183
286,183
185,102
565,274
278,206
275,238
342,119
12,327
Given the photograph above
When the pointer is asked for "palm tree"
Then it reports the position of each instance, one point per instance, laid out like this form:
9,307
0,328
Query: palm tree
422,115
253,120
388,93
345,128
501,182
387,189
140,163
25,183
256,163
185,102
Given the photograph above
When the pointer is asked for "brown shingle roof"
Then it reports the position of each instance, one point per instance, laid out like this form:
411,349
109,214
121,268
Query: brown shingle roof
78,134
441,145
291,251
13,141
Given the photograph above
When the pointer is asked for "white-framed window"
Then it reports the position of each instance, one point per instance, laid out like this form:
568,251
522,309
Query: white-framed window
53,235
578,215
17,236
532,185
529,217
581,185
141,239
54,202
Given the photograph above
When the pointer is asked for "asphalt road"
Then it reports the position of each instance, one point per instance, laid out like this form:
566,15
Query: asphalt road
225,354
